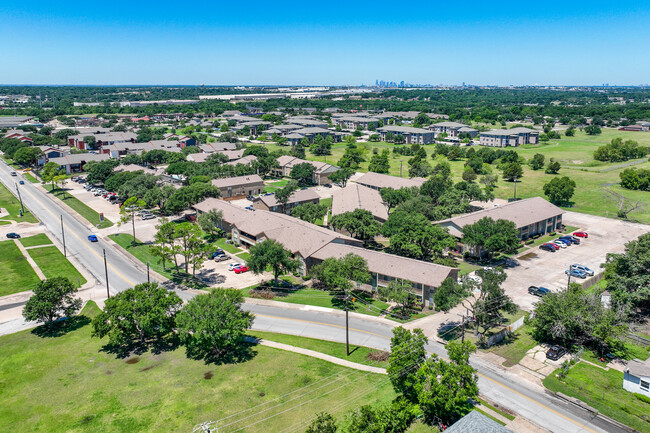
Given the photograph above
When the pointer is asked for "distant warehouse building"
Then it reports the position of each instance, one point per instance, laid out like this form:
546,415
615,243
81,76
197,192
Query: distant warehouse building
532,216
509,137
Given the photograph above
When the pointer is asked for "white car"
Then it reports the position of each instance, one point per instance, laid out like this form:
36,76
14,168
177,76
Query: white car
232,266
475,278
584,269
560,244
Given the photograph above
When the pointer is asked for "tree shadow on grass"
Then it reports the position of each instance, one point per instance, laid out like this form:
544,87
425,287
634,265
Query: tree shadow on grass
242,352
61,327
167,343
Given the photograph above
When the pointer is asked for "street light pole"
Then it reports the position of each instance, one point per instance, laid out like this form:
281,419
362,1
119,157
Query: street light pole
108,293
515,188
22,209
148,280
347,325
63,235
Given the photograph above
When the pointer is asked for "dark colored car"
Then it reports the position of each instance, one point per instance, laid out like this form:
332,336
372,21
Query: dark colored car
328,185
548,247
92,238
581,234
13,235
573,239
538,291
22,182
555,353
218,252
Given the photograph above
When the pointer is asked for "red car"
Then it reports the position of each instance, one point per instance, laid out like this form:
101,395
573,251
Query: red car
241,269
581,234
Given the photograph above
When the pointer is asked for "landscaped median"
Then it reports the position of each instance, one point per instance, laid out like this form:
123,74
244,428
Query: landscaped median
91,215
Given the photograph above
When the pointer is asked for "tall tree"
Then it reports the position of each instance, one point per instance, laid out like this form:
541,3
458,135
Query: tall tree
512,171
52,299
212,326
283,195
271,253
379,163
413,235
341,176
323,423
210,221
128,211
407,355
359,223
310,212
537,161
559,190
164,241
489,306
303,172
394,197
449,294
50,171
399,291
491,236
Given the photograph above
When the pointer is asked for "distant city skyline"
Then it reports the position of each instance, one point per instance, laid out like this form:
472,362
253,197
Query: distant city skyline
351,43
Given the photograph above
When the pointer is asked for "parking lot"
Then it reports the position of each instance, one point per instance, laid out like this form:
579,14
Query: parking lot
537,267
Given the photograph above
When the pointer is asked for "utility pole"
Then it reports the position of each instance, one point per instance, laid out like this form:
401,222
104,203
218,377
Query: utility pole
515,187
63,235
22,208
401,163
347,325
148,281
108,293
568,284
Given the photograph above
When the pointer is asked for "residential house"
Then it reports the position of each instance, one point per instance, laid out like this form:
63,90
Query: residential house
531,216
636,377
75,162
307,122
321,172
356,196
239,187
378,181
301,196
509,137
411,135
476,422
19,134
134,167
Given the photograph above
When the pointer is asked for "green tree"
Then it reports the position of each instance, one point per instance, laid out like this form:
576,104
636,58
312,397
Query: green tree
141,315
341,176
628,275
413,235
445,389
512,171
50,171
593,130
164,241
323,423
212,326
394,197
455,153
28,155
271,253
449,294
53,299
359,223
559,190
407,355
343,273
489,236
283,195
188,244
352,157
90,141
490,305
128,210
210,221
553,167
469,175
399,291
537,161
379,162
310,212
99,171
303,172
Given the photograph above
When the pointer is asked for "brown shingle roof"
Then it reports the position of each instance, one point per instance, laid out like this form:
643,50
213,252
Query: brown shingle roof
378,180
356,196
237,181
298,196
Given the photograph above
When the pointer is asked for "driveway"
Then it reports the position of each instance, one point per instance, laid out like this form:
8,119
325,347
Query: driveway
216,274
537,267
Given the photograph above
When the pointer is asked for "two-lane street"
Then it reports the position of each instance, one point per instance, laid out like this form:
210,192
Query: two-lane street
517,395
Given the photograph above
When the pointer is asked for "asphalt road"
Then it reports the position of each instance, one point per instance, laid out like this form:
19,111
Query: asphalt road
532,403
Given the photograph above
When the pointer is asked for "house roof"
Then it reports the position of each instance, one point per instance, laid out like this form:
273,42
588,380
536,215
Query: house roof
513,131
476,422
405,268
522,213
198,157
215,147
291,161
638,368
379,180
248,160
298,196
231,182
404,129
134,167
450,124
78,158
356,196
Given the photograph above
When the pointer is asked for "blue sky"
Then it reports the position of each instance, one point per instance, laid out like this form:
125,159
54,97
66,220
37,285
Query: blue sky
331,43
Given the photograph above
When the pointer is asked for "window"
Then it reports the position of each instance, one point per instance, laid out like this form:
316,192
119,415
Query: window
645,385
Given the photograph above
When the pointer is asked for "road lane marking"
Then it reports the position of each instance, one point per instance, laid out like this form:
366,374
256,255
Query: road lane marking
479,374
78,238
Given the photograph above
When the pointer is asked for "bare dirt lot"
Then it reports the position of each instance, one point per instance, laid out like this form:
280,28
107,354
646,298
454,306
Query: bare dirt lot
542,268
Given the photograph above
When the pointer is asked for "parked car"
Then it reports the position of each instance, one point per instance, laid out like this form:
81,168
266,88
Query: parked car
584,269
555,352
92,238
218,252
548,247
328,185
538,291
581,234
22,182
475,278
232,266
148,216
13,173
221,258
559,244
575,273
565,240
572,239
249,208
13,235
191,218
241,269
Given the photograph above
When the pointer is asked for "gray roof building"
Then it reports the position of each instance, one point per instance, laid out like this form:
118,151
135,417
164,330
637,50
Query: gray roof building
476,422
356,196
378,181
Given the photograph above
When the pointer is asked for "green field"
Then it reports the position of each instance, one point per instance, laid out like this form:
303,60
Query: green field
514,348
53,263
359,354
39,239
12,205
89,390
91,215
604,391
30,178
142,252
17,273
574,153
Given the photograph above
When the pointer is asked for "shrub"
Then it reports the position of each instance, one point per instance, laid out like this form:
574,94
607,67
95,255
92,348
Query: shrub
262,293
380,355
643,398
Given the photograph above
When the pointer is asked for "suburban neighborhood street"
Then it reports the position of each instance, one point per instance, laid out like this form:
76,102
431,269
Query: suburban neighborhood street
534,404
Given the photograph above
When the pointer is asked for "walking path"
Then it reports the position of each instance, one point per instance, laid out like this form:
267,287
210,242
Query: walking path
318,355
31,261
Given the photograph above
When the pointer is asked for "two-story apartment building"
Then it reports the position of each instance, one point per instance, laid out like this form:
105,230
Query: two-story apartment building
377,181
452,129
301,196
509,137
411,135
321,173
239,187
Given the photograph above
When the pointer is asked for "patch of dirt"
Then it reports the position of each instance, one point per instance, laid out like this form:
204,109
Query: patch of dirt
208,375
133,360
527,256
148,368
108,373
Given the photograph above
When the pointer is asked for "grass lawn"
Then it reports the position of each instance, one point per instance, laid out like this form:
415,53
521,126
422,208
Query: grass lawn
80,207
39,239
30,178
11,203
359,353
11,162
421,427
466,268
17,273
227,247
628,352
142,252
54,264
327,202
322,298
499,411
244,256
92,390
604,391
514,348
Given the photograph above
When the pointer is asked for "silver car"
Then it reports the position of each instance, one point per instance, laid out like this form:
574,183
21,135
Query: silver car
584,269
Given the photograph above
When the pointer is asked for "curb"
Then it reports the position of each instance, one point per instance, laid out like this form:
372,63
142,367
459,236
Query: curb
581,404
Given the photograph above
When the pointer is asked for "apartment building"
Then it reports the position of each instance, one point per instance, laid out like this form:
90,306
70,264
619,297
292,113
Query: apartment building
411,135
509,137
